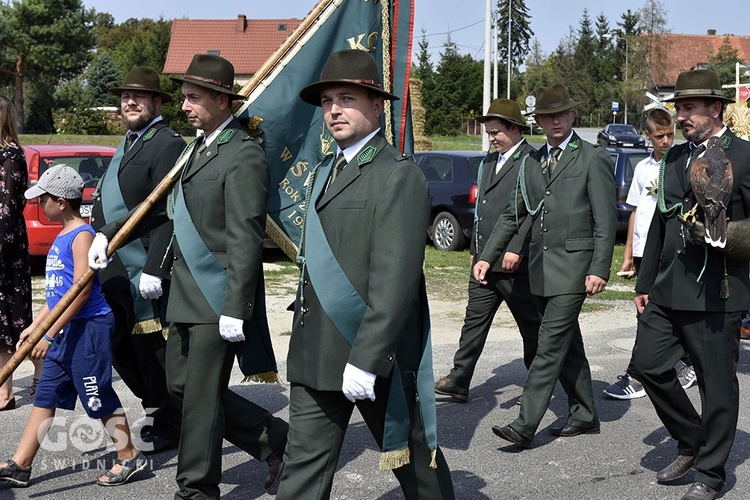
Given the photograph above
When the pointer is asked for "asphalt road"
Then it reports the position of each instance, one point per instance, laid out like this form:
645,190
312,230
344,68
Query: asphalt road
619,463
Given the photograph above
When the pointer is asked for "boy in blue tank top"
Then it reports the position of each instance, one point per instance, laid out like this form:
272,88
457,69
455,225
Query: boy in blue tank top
76,349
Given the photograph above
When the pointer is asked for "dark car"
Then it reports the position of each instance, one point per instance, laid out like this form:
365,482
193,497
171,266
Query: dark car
625,160
620,135
89,161
452,178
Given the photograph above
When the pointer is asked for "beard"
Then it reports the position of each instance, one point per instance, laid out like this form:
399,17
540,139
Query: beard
137,123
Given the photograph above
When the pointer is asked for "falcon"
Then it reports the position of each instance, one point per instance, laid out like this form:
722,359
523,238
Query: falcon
711,180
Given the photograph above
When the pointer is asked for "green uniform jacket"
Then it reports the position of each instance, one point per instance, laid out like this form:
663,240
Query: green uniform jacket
573,233
374,216
226,191
142,168
671,266
495,193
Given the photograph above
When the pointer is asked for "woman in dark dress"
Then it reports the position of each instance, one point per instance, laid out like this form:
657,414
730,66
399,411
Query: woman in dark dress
15,272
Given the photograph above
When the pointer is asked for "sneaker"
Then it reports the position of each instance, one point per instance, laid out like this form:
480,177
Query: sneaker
686,376
14,474
626,387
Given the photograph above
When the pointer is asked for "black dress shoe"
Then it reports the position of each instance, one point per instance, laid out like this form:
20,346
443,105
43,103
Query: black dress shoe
700,491
10,405
447,387
675,470
574,430
275,462
510,434
154,443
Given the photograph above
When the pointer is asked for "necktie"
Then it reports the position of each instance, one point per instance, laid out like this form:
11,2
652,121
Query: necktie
201,147
130,139
554,155
338,166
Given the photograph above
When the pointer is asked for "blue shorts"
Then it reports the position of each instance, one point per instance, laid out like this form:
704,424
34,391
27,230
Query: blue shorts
79,366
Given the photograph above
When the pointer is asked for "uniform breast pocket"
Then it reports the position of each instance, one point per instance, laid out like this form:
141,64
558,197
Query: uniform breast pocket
353,204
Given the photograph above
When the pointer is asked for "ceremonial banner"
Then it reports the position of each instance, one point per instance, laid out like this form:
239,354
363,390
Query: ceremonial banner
291,132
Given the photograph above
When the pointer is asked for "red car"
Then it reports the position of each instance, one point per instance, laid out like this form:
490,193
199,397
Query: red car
90,161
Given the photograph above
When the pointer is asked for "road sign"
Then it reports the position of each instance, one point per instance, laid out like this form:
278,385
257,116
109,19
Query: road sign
530,101
744,93
615,106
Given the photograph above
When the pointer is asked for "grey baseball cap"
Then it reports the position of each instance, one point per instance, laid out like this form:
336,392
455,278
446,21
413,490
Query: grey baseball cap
61,181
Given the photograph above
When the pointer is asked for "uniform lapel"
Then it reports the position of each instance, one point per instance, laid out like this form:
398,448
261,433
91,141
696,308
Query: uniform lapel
489,179
569,154
352,170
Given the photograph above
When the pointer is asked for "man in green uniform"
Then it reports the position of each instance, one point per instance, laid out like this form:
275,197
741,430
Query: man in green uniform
361,327
216,299
690,295
567,187
136,282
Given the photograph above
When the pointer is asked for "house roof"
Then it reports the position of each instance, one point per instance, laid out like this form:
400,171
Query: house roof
685,52
246,43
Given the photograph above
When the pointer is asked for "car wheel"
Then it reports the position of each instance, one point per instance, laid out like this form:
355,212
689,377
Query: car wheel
446,233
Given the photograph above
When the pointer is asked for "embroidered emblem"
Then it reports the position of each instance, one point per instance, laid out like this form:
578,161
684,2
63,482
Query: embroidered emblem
226,135
726,141
149,135
574,143
517,155
252,124
366,155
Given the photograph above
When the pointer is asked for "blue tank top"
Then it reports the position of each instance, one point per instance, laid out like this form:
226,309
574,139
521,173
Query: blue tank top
59,275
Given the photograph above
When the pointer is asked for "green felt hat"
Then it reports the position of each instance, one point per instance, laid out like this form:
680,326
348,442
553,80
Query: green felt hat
142,78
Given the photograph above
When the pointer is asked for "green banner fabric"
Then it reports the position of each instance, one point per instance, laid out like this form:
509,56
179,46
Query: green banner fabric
291,132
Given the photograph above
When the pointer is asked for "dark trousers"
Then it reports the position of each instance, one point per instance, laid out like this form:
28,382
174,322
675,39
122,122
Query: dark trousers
484,301
712,339
199,363
631,367
560,355
139,360
317,423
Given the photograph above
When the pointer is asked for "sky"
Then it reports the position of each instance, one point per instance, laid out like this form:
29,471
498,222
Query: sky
464,19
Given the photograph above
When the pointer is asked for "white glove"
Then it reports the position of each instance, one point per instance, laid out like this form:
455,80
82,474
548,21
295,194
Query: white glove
358,384
230,329
150,286
98,252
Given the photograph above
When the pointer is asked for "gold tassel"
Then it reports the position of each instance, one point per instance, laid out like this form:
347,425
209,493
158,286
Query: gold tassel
433,461
724,292
265,378
165,332
390,460
147,326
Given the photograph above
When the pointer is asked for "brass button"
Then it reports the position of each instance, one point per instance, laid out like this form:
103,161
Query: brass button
547,192
545,247
390,357
249,304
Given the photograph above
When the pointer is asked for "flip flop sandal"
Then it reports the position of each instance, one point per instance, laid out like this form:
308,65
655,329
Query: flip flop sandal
127,469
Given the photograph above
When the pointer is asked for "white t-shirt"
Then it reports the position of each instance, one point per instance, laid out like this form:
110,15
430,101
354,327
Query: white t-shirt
642,195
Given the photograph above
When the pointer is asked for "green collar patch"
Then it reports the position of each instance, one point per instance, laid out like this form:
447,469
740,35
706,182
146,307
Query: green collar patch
574,143
226,135
149,134
517,154
726,141
366,155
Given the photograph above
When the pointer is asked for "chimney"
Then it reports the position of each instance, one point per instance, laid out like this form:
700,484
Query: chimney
241,23
711,32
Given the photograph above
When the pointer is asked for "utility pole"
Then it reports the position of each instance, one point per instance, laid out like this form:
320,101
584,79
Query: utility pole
487,68
495,83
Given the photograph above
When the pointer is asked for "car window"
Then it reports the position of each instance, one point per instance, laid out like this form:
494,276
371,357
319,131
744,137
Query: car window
474,167
632,161
438,168
91,168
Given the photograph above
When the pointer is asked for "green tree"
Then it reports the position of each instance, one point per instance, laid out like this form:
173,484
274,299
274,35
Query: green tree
43,41
582,76
101,76
455,94
539,70
723,63
520,35
651,48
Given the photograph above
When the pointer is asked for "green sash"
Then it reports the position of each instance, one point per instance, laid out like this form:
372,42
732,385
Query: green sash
133,255
255,354
346,309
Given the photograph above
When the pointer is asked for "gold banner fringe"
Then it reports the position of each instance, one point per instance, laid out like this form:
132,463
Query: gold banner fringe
281,239
165,332
147,326
390,460
265,378
433,459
